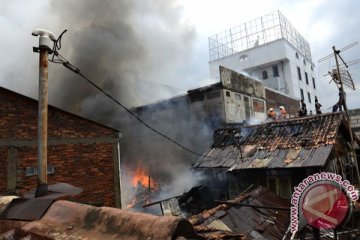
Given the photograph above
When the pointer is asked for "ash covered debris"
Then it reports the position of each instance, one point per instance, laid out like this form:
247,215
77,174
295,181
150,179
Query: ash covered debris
231,221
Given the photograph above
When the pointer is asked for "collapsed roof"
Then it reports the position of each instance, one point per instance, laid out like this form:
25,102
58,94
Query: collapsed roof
262,215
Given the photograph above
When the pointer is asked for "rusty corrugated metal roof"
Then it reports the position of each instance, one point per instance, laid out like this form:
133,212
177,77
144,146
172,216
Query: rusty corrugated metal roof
245,222
298,142
69,220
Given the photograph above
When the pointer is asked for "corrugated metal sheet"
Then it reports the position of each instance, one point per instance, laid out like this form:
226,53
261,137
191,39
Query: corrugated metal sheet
267,159
298,142
267,223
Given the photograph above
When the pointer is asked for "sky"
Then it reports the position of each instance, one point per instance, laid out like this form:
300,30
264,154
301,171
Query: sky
175,37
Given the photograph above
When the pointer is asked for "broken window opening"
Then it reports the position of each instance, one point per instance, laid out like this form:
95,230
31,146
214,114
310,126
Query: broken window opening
264,75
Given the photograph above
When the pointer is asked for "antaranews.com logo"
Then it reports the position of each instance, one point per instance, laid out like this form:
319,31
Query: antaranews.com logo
322,200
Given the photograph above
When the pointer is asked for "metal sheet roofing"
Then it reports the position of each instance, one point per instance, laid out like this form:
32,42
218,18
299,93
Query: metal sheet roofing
298,142
228,221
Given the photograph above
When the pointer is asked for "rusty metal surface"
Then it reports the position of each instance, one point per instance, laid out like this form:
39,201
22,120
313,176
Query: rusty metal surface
245,221
229,158
59,189
298,142
69,220
26,209
43,116
33,208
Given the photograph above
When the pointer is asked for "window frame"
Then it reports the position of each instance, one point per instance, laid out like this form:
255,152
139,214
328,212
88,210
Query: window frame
299,73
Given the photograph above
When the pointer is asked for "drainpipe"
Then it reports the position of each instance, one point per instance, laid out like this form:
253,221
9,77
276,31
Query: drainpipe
118,155
45,38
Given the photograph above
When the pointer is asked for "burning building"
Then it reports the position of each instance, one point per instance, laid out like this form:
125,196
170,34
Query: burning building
256,214
234,99
190,119
280,154
80,152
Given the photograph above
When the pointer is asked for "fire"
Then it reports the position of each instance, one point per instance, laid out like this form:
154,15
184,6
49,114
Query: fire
144,185
142,176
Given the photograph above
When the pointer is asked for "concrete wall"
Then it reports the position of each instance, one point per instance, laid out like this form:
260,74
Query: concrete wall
244,97
279,53
82,153
257,56
355,122
240,107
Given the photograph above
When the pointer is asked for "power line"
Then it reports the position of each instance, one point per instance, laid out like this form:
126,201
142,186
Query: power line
61,60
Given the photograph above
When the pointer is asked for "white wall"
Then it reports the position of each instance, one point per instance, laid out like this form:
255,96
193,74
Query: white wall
263,57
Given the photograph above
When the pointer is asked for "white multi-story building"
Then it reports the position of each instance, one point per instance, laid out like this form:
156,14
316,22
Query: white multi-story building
270,49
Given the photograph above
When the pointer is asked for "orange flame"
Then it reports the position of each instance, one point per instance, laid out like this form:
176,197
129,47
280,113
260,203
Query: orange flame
141,176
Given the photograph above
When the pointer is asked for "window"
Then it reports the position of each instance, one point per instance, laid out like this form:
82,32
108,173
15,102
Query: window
237,97
313,79
306,78
312,69
297,55
275,71
299,73
243,57
264,75
258,105
227,93
304,62
32,171
309,97
301,93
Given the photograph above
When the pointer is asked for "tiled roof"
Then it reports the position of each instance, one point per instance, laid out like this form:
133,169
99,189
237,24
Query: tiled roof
297,142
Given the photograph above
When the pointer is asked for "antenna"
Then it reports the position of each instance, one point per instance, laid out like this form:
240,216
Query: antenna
342,77
341,50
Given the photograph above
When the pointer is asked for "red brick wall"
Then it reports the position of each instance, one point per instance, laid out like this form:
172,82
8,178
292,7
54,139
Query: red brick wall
81,151
3,169
275,100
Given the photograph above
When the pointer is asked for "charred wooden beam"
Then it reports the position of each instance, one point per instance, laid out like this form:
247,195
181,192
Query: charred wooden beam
253,206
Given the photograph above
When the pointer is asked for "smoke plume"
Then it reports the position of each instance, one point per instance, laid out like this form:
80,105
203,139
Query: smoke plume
125,47
138,51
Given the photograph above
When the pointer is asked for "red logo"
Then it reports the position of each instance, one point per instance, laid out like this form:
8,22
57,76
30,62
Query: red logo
325,206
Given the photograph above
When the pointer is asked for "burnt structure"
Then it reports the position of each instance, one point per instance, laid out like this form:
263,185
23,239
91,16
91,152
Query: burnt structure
258,214
234,99
280,154
81,152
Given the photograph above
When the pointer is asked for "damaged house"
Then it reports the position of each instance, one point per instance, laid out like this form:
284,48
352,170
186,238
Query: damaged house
279,155
234,99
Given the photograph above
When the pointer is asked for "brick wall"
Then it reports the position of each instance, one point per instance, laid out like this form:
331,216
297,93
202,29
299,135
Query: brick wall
82,152
275,100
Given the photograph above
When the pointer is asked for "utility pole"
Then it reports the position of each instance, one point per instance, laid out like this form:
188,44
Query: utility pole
45,38
342,101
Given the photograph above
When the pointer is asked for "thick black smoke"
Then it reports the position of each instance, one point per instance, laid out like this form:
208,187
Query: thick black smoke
123,46
137,51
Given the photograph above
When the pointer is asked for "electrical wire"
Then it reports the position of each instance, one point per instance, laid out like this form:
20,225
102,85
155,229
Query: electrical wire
59,59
